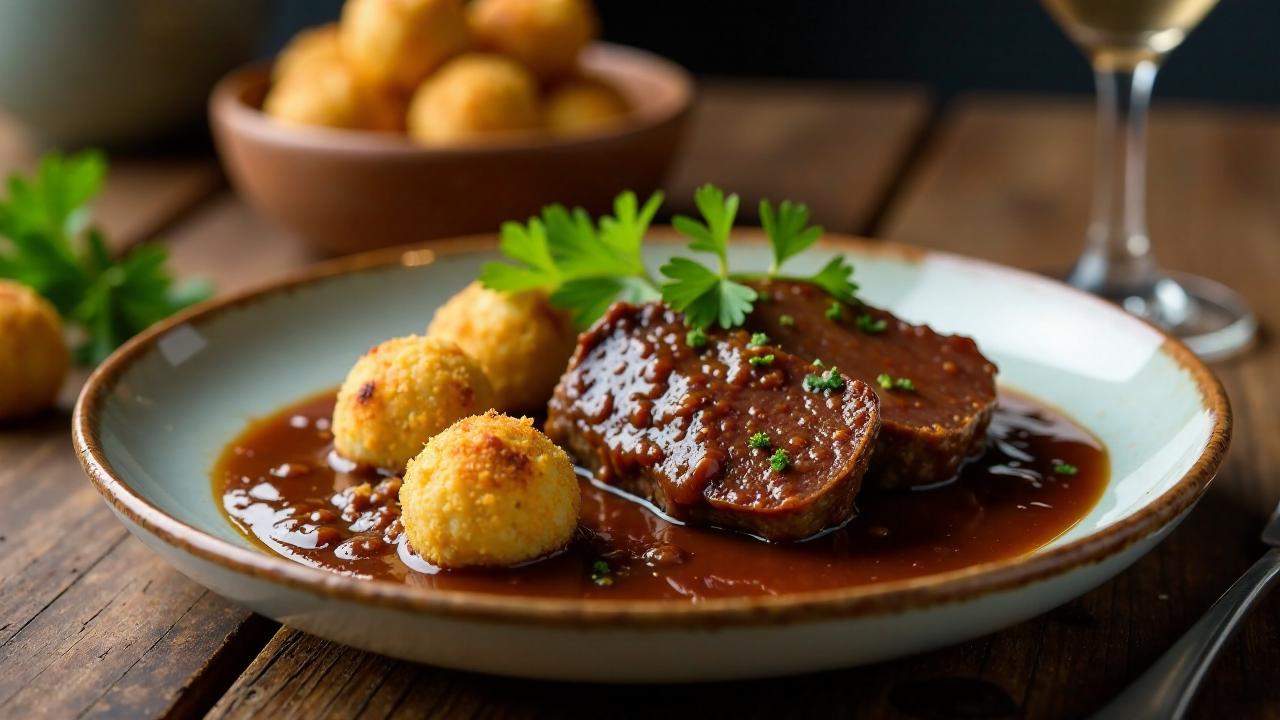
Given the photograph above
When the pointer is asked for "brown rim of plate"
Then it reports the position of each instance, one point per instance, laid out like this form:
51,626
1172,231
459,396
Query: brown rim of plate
895,596
603,59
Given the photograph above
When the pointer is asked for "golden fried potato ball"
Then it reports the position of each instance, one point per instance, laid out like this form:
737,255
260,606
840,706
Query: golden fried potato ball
489,491
33,355
332,96
400,394
473,97
398,43
309,50
520,341
545,35
581,104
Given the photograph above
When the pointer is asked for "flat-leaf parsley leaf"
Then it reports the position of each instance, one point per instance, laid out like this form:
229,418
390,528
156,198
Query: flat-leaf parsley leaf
48,242
585,266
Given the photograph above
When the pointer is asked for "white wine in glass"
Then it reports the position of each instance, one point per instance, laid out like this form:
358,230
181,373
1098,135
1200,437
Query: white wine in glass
1126,40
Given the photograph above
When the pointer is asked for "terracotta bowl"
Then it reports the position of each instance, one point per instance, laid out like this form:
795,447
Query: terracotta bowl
344,190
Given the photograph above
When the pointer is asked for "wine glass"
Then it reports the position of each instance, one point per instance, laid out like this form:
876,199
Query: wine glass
1126,40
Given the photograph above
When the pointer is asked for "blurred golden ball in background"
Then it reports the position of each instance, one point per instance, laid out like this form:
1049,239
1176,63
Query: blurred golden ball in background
33,354
489,491
473,97
309,50
582,104
545,35
331,96
444,72
398,43
520,340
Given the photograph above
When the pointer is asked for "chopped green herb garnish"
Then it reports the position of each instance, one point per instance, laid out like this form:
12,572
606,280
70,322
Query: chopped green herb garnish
1063,468
868,324
759,441
758,340
48,242
888,382
696,338
817,362
586,266
761,360
830,381
834,312
601,573
780,460
786,321
764,297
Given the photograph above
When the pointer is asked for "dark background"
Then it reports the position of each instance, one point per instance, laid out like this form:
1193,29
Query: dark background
952,45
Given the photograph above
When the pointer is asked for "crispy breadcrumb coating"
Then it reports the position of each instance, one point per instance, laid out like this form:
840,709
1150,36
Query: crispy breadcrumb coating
489,491
520,340
402,393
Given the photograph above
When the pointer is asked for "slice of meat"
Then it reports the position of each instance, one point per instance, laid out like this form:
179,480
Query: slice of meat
659,419
926,432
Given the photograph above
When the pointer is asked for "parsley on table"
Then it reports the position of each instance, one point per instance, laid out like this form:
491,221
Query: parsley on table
1063,468
870,325
48,242
586,267
830,381
780,461
761,360
759,441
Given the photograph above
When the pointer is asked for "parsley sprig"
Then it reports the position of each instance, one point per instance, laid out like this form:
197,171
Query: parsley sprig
48,242
588,266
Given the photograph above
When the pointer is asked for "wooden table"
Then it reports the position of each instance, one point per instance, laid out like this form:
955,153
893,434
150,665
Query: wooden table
93,624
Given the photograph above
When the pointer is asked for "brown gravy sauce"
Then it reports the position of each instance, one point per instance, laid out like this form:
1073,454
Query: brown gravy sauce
279,484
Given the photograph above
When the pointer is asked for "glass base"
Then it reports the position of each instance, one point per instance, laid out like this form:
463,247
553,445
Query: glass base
1211,318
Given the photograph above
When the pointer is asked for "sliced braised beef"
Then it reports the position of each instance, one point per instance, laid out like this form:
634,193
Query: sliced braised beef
940,390
650,414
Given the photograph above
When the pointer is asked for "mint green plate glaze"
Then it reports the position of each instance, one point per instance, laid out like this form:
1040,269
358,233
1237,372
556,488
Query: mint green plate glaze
155,417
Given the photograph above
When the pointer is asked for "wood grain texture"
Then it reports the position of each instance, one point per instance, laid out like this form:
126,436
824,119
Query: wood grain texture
82,629
838,148
91,622
143,194
1008,180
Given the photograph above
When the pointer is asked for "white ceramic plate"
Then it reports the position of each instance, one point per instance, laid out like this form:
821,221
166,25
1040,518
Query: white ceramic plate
153,419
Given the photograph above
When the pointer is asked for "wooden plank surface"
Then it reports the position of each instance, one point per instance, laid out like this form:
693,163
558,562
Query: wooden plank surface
141,197
836,147
91,623
1008,179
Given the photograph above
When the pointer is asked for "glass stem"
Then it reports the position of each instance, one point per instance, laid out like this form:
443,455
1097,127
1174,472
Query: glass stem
1117,256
